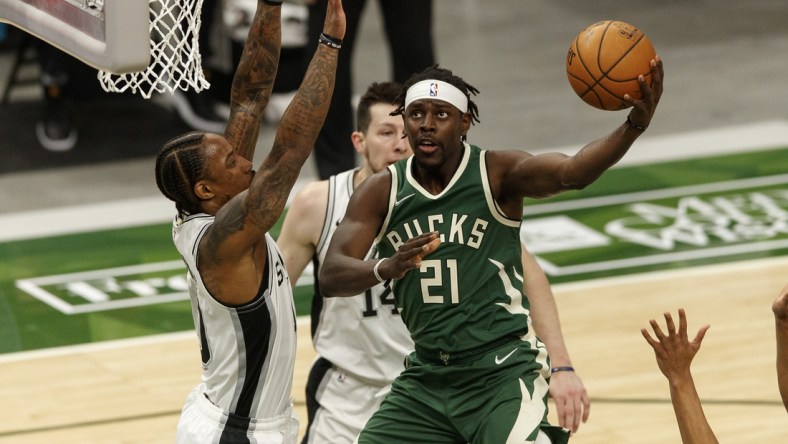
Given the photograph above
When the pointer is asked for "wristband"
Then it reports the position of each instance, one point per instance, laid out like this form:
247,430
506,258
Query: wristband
331,42
377,273
273,2
566,368
634,125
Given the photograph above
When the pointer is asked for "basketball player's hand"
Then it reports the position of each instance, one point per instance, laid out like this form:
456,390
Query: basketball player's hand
673,350
409,255
334,25
780,309
643,109
571,399
780,306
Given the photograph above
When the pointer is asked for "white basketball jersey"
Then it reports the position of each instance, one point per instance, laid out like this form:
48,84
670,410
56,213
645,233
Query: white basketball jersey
248,351
363,334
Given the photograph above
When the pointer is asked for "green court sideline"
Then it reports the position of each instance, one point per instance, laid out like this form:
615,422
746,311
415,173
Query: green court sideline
82,274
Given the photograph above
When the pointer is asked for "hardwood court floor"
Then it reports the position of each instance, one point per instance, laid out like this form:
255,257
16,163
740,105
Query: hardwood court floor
131,391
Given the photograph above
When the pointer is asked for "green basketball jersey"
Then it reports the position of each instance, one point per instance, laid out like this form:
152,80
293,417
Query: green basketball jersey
467,293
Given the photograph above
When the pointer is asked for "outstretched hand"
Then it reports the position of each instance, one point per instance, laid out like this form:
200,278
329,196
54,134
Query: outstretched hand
780,309
643,109
334,25
673,350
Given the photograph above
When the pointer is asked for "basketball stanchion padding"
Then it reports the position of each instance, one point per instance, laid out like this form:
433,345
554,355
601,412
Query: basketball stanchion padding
110,35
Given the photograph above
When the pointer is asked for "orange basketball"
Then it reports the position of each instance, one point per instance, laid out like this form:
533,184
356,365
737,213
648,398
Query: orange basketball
604,62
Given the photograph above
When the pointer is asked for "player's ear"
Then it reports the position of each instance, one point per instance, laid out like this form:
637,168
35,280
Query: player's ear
465,124
203,190
359,142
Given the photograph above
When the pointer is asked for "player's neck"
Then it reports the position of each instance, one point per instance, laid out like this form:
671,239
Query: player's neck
361,175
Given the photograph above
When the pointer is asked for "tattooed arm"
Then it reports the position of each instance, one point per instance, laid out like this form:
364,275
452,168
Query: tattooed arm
298,129
254,79
235,247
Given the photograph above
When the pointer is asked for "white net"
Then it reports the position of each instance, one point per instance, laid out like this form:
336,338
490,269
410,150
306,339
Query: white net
175,53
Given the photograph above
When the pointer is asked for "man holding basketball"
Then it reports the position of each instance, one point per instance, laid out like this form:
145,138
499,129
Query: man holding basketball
242,303
361,341
448,236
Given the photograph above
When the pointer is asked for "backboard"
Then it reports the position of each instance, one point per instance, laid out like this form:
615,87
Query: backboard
110,35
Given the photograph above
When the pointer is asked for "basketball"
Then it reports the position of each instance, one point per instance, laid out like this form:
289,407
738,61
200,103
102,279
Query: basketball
604,62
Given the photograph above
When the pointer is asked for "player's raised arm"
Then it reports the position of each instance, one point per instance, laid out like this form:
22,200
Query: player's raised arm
547,174
674,352
596,157
260,206
233,250
254,79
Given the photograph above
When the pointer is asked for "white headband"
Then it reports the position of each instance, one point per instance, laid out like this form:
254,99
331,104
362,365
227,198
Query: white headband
437,90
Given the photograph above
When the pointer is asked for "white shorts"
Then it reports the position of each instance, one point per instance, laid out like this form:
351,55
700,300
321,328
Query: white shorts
346,403
203,422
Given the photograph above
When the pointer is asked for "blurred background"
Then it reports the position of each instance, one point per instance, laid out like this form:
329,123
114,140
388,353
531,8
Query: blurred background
724,61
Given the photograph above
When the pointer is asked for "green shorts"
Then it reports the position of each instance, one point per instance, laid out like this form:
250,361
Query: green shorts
495,397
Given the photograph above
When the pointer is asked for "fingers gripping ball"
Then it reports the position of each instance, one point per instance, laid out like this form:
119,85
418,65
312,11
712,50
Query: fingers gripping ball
604,62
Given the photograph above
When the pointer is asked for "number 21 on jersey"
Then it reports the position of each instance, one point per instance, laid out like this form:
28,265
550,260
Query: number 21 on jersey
441,274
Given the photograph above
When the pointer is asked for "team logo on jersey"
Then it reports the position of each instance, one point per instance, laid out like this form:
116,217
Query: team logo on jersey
461,229
399,201
499,361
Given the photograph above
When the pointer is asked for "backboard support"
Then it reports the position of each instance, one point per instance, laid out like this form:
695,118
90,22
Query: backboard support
109,35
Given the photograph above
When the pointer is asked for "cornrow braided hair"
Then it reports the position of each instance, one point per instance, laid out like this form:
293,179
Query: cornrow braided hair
438,73
179,165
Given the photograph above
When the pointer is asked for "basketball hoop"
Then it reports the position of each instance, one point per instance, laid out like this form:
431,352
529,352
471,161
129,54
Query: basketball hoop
175,61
